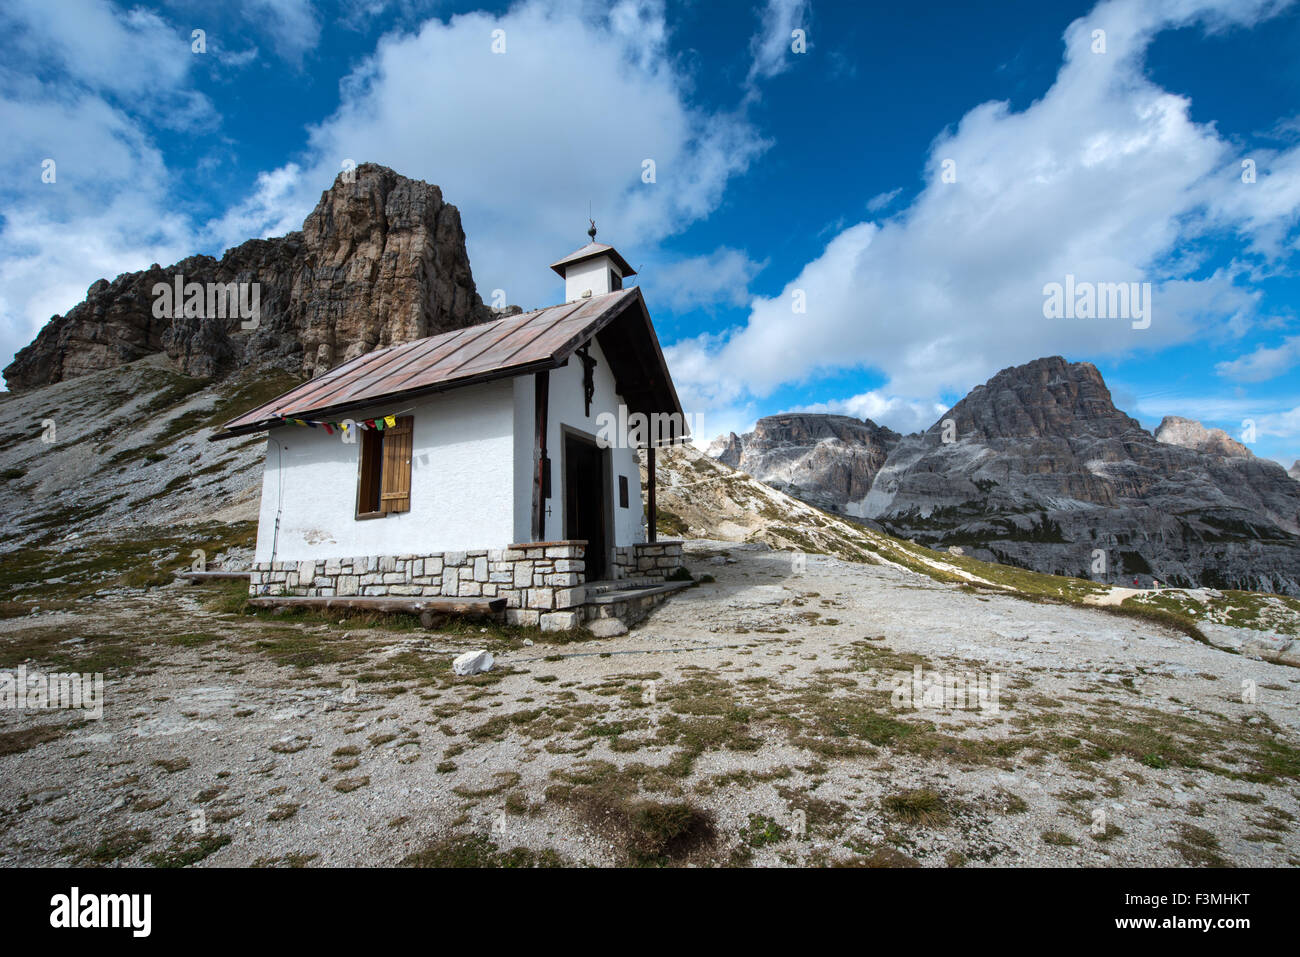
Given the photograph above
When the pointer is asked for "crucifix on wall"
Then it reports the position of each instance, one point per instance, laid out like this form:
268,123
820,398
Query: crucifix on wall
588,381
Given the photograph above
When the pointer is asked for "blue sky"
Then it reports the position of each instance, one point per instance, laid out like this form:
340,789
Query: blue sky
780,176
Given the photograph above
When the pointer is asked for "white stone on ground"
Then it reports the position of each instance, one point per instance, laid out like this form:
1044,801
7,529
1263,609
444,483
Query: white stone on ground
472,662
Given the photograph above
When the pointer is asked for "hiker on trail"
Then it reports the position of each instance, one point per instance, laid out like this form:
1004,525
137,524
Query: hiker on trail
1135,581
1156,582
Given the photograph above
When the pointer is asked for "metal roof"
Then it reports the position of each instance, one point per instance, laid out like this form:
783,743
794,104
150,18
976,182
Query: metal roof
514,345
591,251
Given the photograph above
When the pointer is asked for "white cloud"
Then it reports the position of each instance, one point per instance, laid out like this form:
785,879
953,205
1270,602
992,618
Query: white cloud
901,415
699,282
291,25
770,47
46,264
1102,178
1264,363
566,117
1226,412
521,142
1283,425
882,200
105,72
128,52
273,209
233,59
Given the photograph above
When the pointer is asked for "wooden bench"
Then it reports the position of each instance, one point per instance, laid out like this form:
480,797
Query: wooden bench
432,611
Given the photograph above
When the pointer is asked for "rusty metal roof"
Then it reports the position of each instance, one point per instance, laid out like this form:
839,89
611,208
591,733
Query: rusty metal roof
591,251
506,347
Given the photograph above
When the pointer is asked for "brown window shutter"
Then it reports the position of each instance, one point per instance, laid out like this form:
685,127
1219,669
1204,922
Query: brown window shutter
396,493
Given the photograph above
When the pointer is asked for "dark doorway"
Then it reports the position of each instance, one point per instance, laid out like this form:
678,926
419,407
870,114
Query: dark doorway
585,499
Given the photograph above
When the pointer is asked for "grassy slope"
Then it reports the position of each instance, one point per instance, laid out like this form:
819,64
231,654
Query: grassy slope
130,489
131,448
702,497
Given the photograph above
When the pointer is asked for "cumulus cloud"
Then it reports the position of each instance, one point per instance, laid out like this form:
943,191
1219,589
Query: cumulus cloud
94,42
524,142
1104,178
272,209
721,277
584,109
106,212
901,415
104,205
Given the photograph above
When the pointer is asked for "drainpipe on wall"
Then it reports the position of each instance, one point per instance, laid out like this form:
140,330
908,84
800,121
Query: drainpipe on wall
280,496
652,518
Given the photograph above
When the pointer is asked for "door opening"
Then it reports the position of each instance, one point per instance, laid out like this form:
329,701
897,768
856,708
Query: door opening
585,499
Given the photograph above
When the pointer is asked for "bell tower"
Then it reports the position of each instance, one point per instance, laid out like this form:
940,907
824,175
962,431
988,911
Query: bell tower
594,270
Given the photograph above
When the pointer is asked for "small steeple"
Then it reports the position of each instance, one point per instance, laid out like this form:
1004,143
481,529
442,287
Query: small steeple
594,270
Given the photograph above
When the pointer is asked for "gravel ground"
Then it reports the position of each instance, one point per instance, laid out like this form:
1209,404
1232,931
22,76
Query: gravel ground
762,706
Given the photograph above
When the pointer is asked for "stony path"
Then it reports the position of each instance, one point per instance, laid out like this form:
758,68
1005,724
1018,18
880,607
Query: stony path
1115,596
767,703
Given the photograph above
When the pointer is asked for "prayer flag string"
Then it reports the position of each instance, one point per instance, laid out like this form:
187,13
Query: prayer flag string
378,423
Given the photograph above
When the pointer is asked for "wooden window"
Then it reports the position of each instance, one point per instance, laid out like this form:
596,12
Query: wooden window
372,457
384,470
622,491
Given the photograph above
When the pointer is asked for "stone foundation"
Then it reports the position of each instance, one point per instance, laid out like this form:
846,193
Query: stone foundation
542,582
629,611
647,560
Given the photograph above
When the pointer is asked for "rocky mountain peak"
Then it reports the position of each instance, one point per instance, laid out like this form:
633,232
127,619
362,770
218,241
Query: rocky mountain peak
824,459
727,449
1042,398
380,260
1190,434
1046,473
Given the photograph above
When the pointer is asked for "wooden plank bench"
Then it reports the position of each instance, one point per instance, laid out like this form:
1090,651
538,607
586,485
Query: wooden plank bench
432,611
214,576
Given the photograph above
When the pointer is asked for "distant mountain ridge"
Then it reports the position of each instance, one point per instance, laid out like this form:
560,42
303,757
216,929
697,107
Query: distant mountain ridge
825,460
1038,468
1190,434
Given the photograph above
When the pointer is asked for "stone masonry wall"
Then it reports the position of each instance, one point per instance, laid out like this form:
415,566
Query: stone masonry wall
542,582
647,560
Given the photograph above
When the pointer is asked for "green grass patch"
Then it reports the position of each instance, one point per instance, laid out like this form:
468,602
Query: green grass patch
478,851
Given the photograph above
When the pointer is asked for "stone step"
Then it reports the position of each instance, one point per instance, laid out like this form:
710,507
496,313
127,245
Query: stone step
621,584
631,594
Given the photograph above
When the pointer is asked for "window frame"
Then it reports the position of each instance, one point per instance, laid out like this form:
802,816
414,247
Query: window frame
371,454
